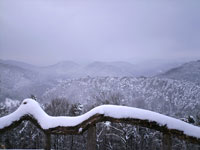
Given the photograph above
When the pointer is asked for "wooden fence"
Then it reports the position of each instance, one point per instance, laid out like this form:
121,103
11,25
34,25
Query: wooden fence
90,125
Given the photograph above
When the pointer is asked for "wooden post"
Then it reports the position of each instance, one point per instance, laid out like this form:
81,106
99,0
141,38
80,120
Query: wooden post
47,141
166,142
91,138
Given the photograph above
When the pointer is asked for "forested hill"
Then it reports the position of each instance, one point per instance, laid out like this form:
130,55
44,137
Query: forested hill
18,82
188,72
179,85
66,96
167,96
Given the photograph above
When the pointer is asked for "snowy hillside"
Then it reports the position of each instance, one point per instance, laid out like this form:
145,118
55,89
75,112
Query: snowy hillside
62,95
161,95
187,72
18,83
57,81
15,79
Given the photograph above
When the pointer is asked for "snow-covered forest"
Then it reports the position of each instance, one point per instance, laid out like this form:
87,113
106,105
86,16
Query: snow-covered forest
70,57
178,98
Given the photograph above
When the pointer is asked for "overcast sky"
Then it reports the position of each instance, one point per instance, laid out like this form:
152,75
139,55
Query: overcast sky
48,31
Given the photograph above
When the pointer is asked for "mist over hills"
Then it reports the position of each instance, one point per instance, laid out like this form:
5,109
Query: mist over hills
100,68
19,80
187,72
18,64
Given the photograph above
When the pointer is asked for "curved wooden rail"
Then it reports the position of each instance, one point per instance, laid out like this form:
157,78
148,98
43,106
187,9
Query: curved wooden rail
94,117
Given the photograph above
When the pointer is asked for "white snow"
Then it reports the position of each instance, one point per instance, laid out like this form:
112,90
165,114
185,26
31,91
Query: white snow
31,107
11,103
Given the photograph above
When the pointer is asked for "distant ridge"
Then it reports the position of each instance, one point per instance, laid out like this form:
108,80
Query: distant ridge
188,72
19,80
18,64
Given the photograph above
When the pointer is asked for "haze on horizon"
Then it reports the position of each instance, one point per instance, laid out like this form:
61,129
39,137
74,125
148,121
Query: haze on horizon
47,31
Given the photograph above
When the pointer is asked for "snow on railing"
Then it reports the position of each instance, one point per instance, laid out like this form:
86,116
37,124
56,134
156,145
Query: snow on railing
31,110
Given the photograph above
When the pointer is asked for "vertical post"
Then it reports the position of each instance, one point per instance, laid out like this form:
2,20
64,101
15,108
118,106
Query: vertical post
72,142
91,138
47,141
166,142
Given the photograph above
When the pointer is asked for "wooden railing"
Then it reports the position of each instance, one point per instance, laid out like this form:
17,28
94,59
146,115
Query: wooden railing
90,125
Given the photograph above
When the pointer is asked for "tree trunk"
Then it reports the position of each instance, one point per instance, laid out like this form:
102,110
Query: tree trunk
91,138
47,141
72,142
166,142
142,141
